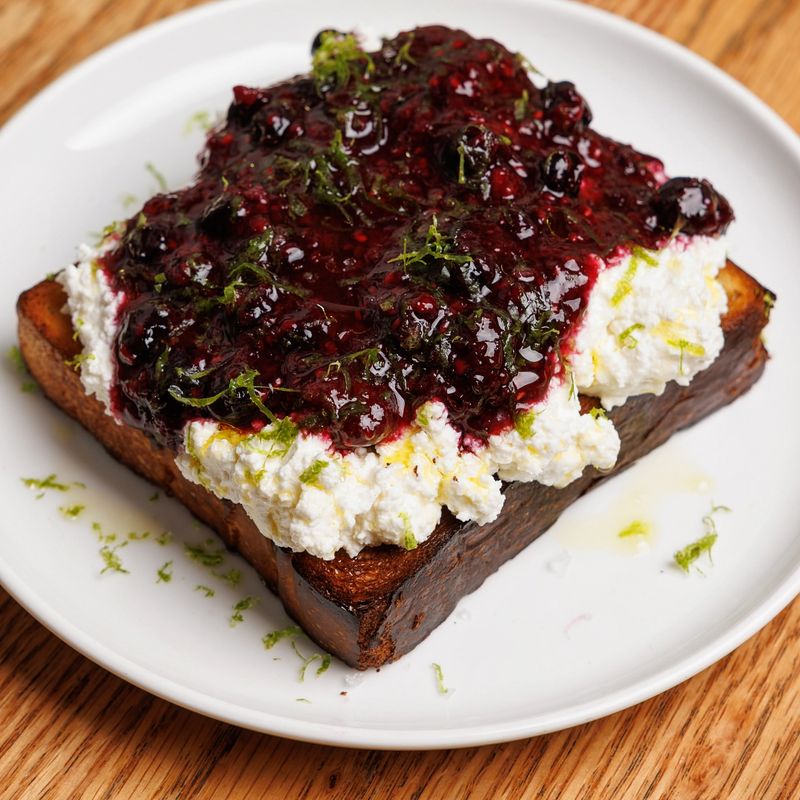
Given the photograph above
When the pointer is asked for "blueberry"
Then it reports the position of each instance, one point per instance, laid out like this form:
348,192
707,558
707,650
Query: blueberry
467,154
561,171
217,217
565,107
691,205
146,241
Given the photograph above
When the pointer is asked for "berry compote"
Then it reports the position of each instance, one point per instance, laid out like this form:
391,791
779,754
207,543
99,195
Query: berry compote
421,222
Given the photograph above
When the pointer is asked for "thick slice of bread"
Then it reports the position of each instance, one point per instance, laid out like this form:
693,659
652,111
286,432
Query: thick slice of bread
378,606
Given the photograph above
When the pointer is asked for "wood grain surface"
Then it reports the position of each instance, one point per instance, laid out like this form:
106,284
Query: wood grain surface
70,729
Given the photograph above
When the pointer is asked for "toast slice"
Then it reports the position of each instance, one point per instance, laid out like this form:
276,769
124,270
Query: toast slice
376,607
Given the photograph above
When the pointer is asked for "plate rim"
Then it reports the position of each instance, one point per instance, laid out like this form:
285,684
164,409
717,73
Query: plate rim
295,727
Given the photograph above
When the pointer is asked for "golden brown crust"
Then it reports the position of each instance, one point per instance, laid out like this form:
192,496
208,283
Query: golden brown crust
374,608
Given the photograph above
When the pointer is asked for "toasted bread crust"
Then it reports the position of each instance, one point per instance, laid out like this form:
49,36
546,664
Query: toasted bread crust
378,606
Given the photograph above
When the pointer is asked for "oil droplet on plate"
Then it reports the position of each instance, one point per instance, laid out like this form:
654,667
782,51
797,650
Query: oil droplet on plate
628,523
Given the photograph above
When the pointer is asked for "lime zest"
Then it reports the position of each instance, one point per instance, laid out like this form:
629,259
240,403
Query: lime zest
164,538
685,346
78,360
437,671
271,639
338,59
688,555
625,285
165,572
204,555
233,577
307,661
404,53
239,608
50,482
111,559
158,175
436,246
72,512
521,105
200,120
310,475
649,257
409,540
523,423
627,339
636,528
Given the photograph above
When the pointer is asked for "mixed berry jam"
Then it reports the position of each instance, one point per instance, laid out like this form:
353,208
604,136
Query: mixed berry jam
415,223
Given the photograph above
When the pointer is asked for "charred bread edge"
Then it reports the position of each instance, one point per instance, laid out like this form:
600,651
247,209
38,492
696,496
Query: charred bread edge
374,608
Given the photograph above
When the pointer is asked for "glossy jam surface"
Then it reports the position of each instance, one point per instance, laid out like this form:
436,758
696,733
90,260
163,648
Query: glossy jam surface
416,223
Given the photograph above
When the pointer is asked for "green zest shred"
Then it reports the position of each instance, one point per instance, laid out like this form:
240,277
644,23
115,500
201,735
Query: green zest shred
307,661
625,285
239,608
437,671
78,360
207,590
111,560
310,475
338,59
326,662
50,482
280,436
636,528
521,105
271,639
409,540
203,554
244,381
462,154
72,512
165,573
436,247
160,179
523,423
233,577
685,346
648,256
404,53
200,120
627,339
688,555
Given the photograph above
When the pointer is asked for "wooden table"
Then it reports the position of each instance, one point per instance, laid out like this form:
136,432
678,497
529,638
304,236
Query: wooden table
68,728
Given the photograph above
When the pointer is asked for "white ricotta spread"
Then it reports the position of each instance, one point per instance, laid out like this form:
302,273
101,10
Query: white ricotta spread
651,318
93,307
306,496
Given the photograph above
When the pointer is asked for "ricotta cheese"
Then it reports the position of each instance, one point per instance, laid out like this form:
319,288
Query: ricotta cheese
93,307
306,496
652,317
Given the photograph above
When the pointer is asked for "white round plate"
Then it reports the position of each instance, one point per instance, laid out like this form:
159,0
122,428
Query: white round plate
577,626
